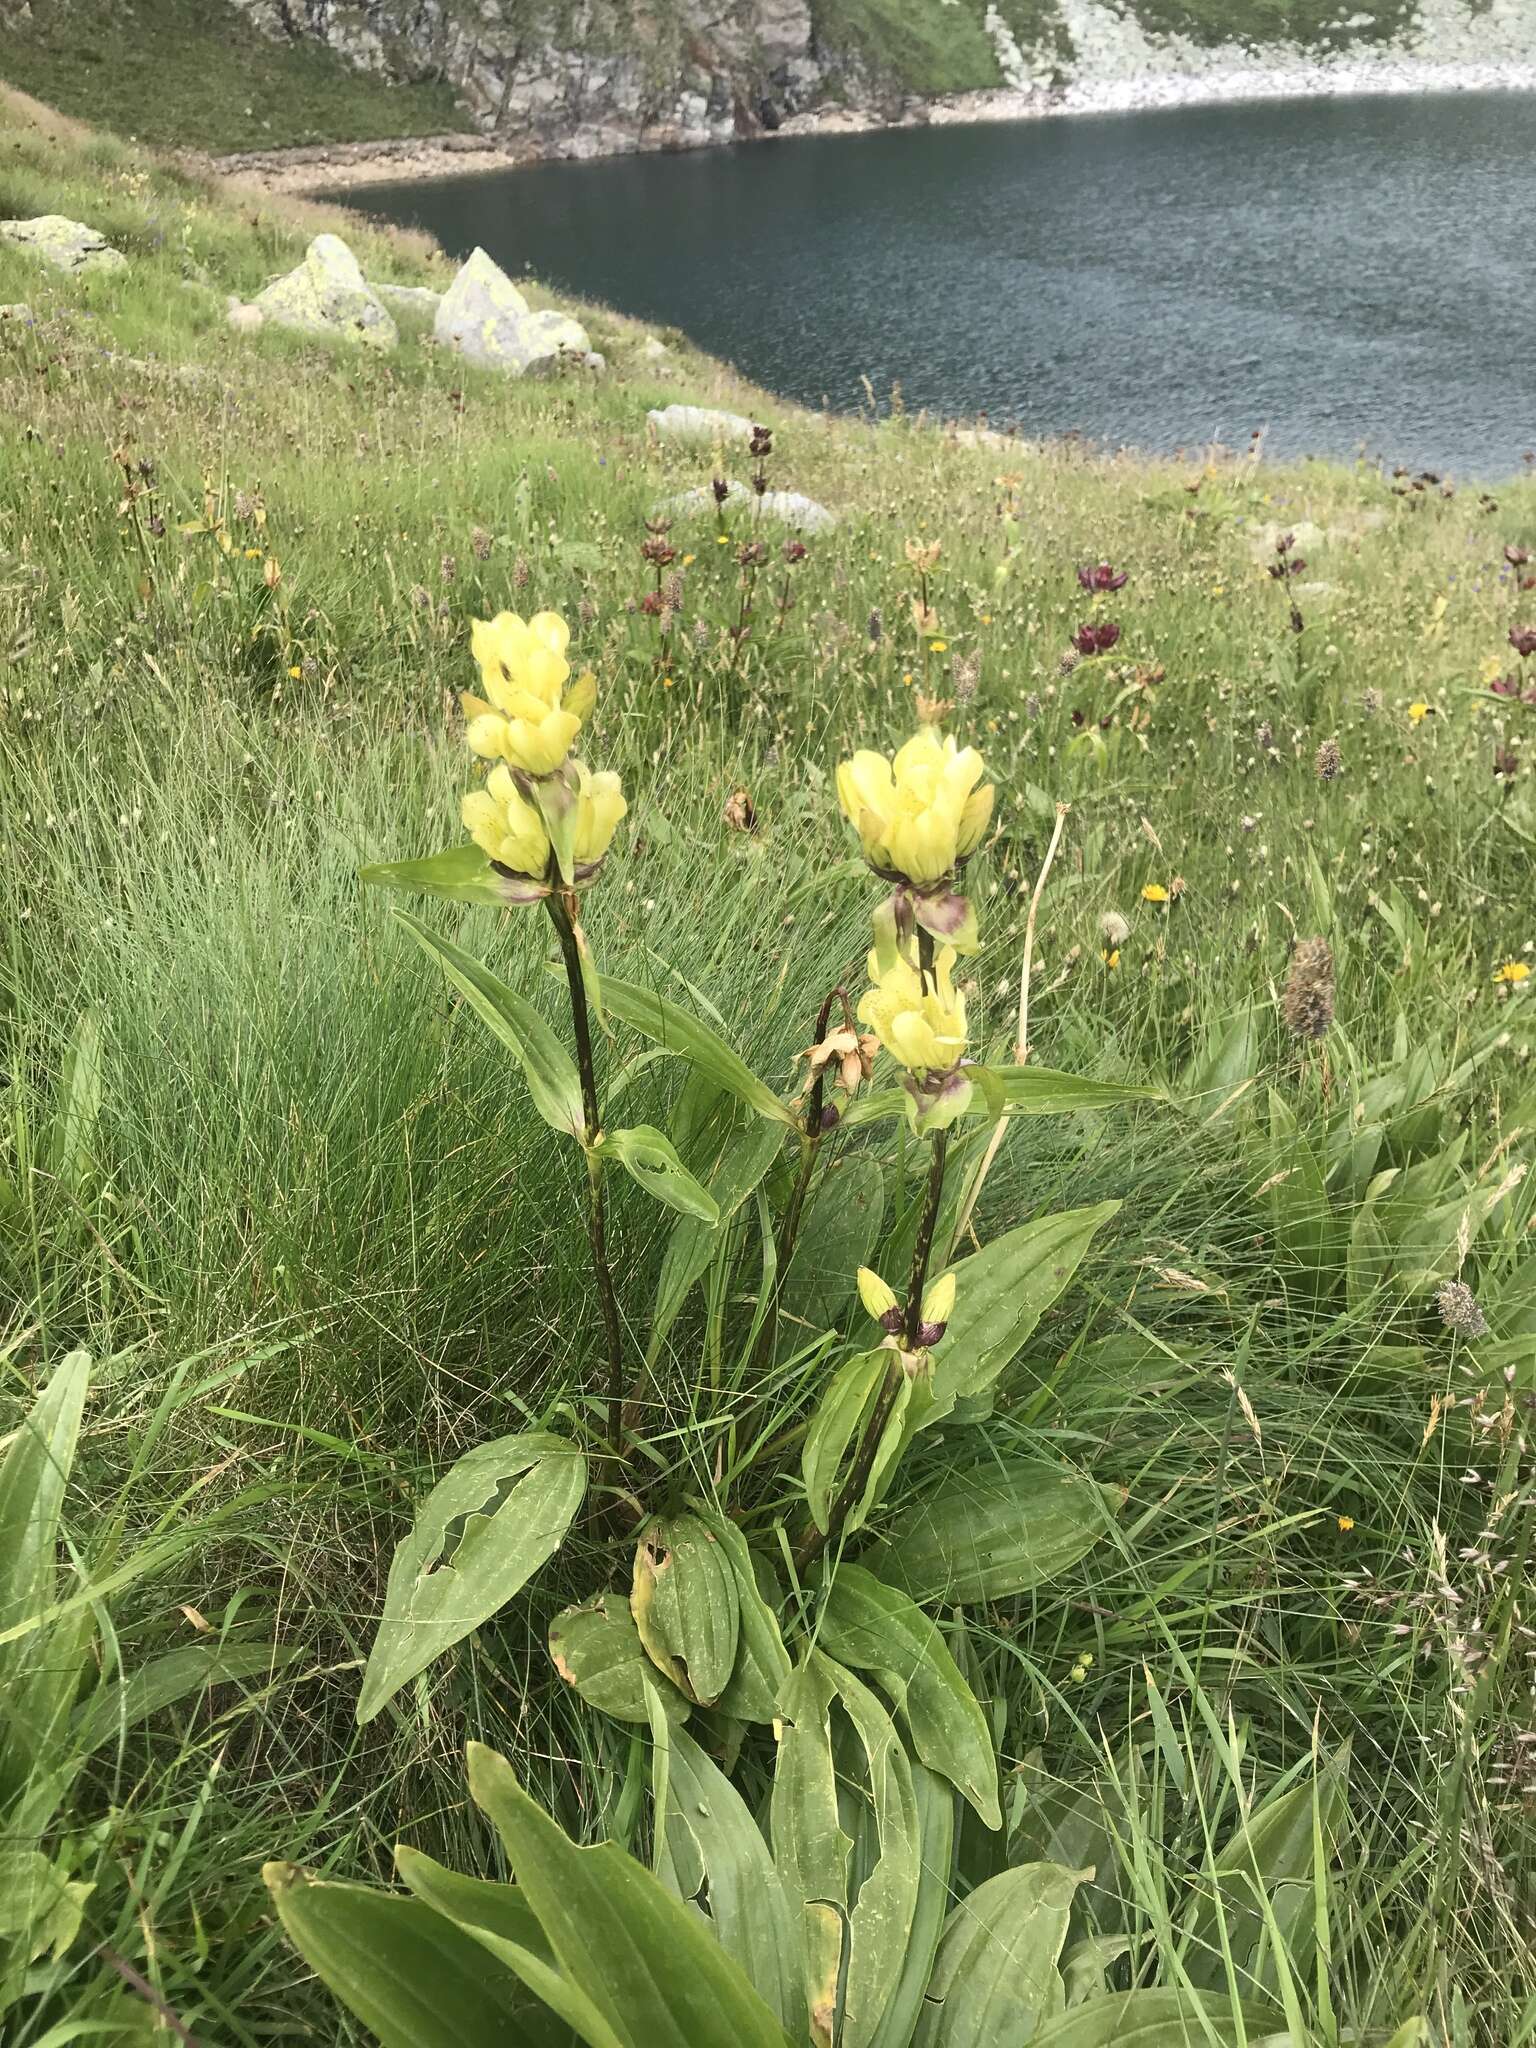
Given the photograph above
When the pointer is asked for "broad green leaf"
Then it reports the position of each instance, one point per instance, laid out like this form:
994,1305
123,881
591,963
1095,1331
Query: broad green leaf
1037,1091
1158,2019
657,1019
762,1662
1230,1058
547,1067
33,1477
686,1605
1085,1964
880,1919
1002,1291
730,1156
649,1158
500,1919
936,1801
1272,1852
478,1539
872,1627
656,1974
113,1709
1001,1529
597,1649
836,1425
810,1846
461,874
1308,1236
414,1979
712,1852
838,1234
995,1978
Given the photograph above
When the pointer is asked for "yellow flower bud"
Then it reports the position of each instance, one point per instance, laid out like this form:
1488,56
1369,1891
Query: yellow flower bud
919,814
600,805
922,1025
506,826
939,1300
878,1299
531,719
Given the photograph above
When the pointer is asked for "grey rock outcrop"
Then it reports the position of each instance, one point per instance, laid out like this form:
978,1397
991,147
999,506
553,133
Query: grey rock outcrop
486,319
789,508
417,299
328,294
697,423
66,244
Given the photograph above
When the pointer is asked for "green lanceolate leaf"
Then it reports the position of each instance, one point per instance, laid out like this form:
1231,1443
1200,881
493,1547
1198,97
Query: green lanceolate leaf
1158,2019
936,1804
838,1234
1002,1291
762,1662
730,1157
460,874
552,2012
873,1627
713,1853
1037,1091
596,1648
836,1426
659,1978
414,1979
478,1539
33,1477
113,1709
685,1035
686,1606
810,1847
997,1530
1271,1855
1229,1060
547,1067
887,1847
71,1144
995,1978
649,1158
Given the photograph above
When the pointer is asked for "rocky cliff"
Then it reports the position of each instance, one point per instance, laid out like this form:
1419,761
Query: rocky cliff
590,77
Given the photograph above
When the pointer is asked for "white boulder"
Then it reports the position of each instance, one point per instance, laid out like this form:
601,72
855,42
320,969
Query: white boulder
697,423
486,318
66,244
328,294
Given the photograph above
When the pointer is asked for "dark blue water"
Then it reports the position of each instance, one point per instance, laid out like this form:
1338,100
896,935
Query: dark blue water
1346,275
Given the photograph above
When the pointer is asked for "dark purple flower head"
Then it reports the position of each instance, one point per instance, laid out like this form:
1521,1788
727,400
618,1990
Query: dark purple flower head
652,604
1505,686
1101,576
1290,565
658,549
752,553
721,489
795,551
1096,639
1285,543
761,443
1523,639
1516,557
928,1334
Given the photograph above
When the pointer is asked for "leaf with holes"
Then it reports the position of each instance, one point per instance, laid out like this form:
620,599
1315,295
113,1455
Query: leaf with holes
686,1605
596,1649
478,1539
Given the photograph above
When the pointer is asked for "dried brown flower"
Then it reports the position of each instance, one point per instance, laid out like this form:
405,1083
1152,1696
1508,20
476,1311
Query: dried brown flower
1307,1005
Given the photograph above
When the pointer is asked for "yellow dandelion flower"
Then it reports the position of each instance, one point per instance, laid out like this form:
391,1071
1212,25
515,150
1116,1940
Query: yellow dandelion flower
689,560
296,672
1513,972
1111,958
1154,892
940,646
1418,712
1346,1523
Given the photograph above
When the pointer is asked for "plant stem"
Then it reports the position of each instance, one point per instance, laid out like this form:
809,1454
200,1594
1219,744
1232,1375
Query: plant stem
815,1540
561,908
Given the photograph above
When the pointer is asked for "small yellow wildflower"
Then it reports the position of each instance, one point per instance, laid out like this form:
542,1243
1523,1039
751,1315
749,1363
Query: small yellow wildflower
689,560
1111,958
986,618
1346,1523
666,682
1514,972
1154,892
722,540
253,554
1418,712
296,672
940,646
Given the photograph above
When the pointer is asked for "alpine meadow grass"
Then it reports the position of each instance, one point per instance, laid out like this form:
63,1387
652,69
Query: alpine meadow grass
261,1162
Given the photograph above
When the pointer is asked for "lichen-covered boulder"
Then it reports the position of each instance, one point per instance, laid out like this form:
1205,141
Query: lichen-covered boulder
697,423
66,244
486,318
328,294
790,508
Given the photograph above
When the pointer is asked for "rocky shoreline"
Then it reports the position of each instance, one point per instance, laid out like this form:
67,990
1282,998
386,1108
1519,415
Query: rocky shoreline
329,167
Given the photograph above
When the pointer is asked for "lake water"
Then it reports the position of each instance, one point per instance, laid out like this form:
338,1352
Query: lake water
1346,275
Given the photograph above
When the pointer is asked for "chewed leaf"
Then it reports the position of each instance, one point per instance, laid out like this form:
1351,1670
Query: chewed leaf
597,1649
480,1535
686,1605
650,1158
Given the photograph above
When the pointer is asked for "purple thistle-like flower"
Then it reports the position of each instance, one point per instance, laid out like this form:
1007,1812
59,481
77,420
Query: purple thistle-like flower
1101,576
1096,639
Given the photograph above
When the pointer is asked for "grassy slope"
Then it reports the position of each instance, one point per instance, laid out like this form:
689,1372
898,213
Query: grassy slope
315,1183
195,74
